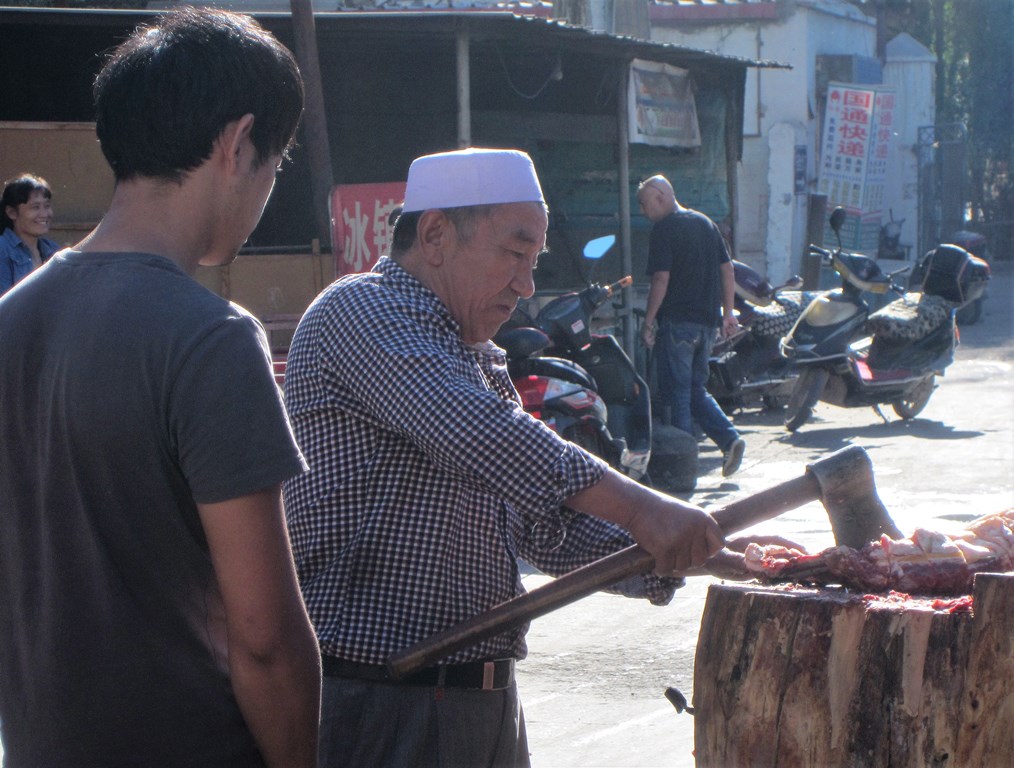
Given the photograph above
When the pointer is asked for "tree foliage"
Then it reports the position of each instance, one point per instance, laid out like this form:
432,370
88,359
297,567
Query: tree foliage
990,86
973,41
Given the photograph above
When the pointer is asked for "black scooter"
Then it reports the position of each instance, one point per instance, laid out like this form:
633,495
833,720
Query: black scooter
975,244
585,387
747,367
913,338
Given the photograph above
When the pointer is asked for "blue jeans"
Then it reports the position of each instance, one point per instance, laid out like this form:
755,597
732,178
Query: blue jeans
682,350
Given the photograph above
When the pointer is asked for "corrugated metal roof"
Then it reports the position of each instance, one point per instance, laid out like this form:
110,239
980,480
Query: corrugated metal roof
543,8
714,11
441,23
710,3
540,8
535,28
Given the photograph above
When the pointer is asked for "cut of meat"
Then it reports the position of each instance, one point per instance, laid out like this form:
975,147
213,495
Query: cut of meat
905,601
926,563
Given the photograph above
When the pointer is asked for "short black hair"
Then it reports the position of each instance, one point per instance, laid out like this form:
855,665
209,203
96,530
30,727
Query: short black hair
464,219
18,190
166,93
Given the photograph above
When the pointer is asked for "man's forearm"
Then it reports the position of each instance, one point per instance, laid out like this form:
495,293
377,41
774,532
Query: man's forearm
279,695
274,660
678,535
656,293
728,288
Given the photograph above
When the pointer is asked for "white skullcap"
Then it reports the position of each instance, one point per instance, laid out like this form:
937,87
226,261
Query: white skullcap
471,177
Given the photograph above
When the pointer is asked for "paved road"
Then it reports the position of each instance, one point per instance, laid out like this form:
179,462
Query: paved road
592,685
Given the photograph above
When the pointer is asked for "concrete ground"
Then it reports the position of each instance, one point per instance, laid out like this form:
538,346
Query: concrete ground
593,683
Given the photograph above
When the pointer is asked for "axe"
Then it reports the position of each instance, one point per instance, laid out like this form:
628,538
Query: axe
842,481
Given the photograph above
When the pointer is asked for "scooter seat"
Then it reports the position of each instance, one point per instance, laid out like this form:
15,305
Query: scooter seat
776,319
521,342
912,317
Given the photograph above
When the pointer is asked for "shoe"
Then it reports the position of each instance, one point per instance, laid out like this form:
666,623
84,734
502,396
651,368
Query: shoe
733,457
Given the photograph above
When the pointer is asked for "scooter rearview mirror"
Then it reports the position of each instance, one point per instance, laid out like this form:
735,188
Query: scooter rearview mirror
837,219
599,247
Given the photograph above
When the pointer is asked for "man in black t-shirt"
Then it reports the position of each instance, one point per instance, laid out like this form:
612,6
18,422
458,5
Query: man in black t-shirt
691,295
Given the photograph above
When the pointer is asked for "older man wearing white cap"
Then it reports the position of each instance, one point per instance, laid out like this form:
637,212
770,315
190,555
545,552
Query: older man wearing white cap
428,481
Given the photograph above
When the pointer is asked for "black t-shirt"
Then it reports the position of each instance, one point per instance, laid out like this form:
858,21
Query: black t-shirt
688,245
130,394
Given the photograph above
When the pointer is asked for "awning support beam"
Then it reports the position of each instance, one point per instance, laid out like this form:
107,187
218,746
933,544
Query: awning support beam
463,44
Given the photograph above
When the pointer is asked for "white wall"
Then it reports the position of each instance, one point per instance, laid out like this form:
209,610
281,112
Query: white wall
910,68
786,213
771,217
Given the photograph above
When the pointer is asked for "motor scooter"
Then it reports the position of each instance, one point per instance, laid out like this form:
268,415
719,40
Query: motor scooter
889,242
889,247
583,385
747,367
977,245
850,358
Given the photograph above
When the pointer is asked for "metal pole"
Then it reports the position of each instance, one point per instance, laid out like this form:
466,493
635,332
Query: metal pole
816,216
314,117
464,88
622,137
733,129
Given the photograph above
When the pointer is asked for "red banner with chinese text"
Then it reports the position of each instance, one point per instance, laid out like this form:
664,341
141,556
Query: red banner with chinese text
361,232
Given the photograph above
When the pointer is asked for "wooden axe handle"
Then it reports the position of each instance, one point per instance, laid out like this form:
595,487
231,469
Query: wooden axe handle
591,578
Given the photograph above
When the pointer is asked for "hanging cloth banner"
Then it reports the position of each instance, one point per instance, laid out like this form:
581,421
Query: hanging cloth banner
661,106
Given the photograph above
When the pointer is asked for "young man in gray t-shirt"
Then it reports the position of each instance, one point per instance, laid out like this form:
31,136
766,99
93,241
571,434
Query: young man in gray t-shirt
147,592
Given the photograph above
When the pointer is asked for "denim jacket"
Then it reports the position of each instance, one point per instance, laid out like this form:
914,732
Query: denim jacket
16,259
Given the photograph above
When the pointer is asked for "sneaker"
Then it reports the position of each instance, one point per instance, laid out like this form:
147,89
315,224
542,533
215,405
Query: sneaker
733,457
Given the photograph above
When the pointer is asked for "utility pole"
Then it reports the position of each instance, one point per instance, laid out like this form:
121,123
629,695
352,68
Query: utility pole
314,118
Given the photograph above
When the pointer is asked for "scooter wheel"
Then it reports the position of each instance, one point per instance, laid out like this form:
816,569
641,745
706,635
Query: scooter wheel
805,395
912,404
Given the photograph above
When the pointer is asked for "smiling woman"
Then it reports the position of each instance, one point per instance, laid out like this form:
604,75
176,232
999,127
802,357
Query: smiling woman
27,215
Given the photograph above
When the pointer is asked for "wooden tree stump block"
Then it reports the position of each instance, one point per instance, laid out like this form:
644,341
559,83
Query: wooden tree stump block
790,676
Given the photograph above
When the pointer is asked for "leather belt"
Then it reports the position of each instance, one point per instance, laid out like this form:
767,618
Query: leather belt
492,675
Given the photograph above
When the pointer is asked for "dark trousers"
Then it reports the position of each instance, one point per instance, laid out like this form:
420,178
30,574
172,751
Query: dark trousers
367,724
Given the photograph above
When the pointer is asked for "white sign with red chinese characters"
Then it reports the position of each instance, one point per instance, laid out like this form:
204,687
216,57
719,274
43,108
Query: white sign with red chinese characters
858,125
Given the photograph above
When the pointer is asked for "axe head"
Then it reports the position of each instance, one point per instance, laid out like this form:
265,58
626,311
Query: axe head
849,495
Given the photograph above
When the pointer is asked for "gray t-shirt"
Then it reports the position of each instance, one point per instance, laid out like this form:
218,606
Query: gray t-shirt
128,393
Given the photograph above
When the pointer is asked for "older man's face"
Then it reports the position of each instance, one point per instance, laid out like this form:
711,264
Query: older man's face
493,269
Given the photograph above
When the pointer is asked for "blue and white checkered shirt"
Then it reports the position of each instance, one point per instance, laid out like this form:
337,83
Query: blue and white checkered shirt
427,480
